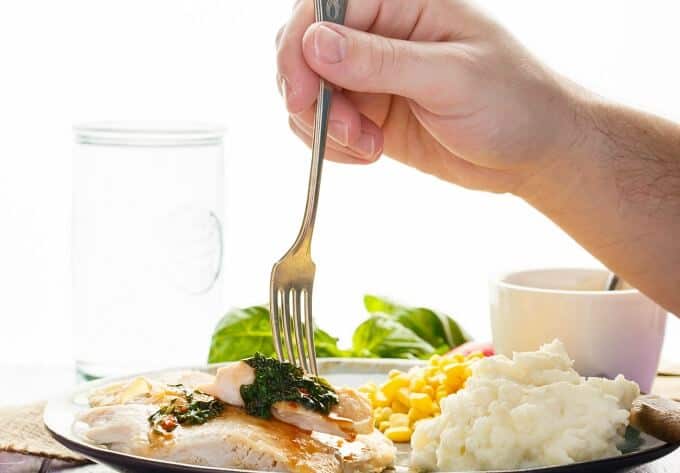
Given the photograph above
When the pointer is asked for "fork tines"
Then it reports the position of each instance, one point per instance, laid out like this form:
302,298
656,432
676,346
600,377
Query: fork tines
291,313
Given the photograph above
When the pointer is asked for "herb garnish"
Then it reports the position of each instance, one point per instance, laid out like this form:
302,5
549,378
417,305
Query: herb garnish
281,381
188,408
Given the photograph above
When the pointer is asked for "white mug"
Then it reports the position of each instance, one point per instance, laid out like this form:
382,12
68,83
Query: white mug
605,333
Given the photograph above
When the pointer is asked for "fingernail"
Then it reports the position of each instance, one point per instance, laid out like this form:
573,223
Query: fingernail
339,131
329,45
366,144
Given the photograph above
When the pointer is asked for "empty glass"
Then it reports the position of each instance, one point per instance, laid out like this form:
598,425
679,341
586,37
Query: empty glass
147,244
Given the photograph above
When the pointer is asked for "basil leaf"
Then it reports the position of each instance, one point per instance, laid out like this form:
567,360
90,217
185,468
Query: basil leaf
243,332
327,346
383,337
437,329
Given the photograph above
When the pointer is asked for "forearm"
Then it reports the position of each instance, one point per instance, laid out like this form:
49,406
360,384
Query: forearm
616,190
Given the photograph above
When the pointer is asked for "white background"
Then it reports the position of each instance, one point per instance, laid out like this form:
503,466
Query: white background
382,229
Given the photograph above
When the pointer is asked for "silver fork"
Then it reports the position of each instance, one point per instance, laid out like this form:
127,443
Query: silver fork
292,281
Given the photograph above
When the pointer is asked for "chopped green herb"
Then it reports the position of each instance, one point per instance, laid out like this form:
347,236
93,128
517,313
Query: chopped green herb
281,381
188,408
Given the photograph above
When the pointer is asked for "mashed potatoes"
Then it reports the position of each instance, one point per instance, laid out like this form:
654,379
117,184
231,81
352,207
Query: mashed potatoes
533,410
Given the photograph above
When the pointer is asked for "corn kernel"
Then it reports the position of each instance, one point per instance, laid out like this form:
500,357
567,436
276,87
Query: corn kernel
406,398
454,369
454,384
398,407
417,384
382,413
416,414
381,400
398,434
422,402
403,396
399,420
390,387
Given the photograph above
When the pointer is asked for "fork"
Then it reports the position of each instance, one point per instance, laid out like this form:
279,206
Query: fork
292,280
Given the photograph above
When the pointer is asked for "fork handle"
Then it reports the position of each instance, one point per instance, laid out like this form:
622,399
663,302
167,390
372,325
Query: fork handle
332,11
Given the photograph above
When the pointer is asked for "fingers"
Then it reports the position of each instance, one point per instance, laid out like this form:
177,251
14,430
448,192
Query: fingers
349,132
334,152
366,62
347,127
393,18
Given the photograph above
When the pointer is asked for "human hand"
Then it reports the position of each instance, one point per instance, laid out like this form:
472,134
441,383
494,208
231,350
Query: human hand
434,84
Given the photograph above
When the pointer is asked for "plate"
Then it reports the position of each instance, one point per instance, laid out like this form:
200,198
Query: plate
61,411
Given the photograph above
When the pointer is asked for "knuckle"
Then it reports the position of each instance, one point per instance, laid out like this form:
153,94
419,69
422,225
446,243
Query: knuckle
383,57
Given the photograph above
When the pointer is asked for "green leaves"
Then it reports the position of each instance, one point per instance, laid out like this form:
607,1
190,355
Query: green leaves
439,330
383,337
391,331
243,332
240,334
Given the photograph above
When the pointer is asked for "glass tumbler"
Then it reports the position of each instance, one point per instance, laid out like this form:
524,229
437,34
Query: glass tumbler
148,202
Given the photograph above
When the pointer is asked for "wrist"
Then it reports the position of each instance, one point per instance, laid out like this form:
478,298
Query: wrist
573,162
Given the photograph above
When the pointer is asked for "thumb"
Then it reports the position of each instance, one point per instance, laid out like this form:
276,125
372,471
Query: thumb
365,62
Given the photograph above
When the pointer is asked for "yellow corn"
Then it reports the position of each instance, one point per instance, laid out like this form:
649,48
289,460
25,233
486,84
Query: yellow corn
391,387
417,384
403,396
399,420
416,414
421,401
381,400
394,373
368,388
398,407
398,434
406,398
384,413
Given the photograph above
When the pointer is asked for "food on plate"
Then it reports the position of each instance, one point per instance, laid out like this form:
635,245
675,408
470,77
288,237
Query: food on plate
390,331
257,413
268,388
407,398
658,417
529,411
